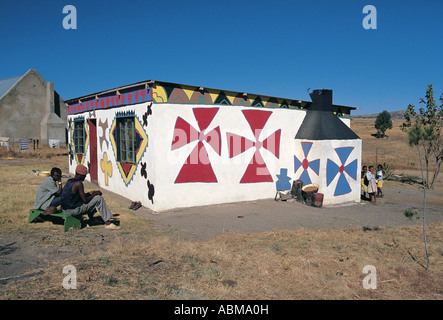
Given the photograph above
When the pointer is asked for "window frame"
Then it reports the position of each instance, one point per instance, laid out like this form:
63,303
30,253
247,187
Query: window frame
126,139
79,140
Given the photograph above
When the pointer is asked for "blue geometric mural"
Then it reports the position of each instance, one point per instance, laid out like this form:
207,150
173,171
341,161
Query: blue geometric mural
332,169
314,165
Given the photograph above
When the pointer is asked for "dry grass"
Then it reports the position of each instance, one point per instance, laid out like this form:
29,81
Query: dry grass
142,262
394,149
284,265
42,152
18,187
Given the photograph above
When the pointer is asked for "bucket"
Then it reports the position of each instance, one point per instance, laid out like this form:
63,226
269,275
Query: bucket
317,200
308,197
310,188
308,192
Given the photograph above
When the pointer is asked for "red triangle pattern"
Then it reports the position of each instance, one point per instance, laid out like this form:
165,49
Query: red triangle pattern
257,120
238,144
204,116
272,143
126,167
80,158
256,170
213,138
184,133
197,167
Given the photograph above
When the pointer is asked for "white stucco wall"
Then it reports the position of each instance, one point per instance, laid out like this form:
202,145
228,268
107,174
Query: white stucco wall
163,163
346,121
228,171
325,151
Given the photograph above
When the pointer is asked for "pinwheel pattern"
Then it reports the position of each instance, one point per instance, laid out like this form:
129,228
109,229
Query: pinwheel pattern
197,167
305,164
332,169
257,170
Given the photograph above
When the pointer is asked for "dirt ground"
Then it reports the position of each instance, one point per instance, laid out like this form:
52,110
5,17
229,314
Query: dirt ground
264,215
202,223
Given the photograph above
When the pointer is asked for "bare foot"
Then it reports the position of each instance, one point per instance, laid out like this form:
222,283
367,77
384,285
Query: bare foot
49,210
111,226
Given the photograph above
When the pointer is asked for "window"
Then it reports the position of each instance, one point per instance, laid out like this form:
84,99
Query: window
79,136
126,137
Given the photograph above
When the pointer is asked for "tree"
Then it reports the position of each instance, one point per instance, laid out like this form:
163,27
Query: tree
383,123
424,130
416,138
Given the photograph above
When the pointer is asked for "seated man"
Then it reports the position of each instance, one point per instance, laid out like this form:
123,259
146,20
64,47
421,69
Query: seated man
49,193
76,202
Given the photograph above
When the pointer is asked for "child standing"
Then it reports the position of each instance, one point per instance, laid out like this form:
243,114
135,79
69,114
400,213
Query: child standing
372,186
379,178
364,182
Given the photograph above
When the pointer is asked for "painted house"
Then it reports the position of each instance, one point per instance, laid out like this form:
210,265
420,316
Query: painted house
170,145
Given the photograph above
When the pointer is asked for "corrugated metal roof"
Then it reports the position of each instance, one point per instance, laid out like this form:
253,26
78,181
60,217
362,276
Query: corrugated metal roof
6,84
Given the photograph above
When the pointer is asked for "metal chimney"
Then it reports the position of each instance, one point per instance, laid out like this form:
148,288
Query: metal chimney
320,122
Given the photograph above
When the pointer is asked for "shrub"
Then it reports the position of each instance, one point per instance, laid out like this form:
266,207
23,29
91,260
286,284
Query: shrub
388,169
409,213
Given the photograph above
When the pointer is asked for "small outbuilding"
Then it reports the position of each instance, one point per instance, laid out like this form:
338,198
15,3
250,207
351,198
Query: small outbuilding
328,152
170,145
30,108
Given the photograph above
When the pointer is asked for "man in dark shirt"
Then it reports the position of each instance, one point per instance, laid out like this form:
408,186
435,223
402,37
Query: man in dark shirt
76,202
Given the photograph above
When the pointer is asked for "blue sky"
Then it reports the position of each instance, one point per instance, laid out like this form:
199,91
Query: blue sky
276,48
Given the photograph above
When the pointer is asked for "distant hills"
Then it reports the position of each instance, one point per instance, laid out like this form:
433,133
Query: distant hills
394,115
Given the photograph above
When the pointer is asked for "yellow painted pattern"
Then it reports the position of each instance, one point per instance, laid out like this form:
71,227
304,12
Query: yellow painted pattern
106,167
159,94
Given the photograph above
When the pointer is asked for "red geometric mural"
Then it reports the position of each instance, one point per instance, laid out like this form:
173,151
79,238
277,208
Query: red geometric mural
197,167
257,171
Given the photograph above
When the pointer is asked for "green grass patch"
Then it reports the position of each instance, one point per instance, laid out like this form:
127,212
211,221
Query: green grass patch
410,213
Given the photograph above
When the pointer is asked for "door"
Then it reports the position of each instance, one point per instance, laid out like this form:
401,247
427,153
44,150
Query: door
93,167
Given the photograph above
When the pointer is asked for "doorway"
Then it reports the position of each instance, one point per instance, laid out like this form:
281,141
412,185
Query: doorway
93,166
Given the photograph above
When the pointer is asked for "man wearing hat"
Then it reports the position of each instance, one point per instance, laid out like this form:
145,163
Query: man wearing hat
76,202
